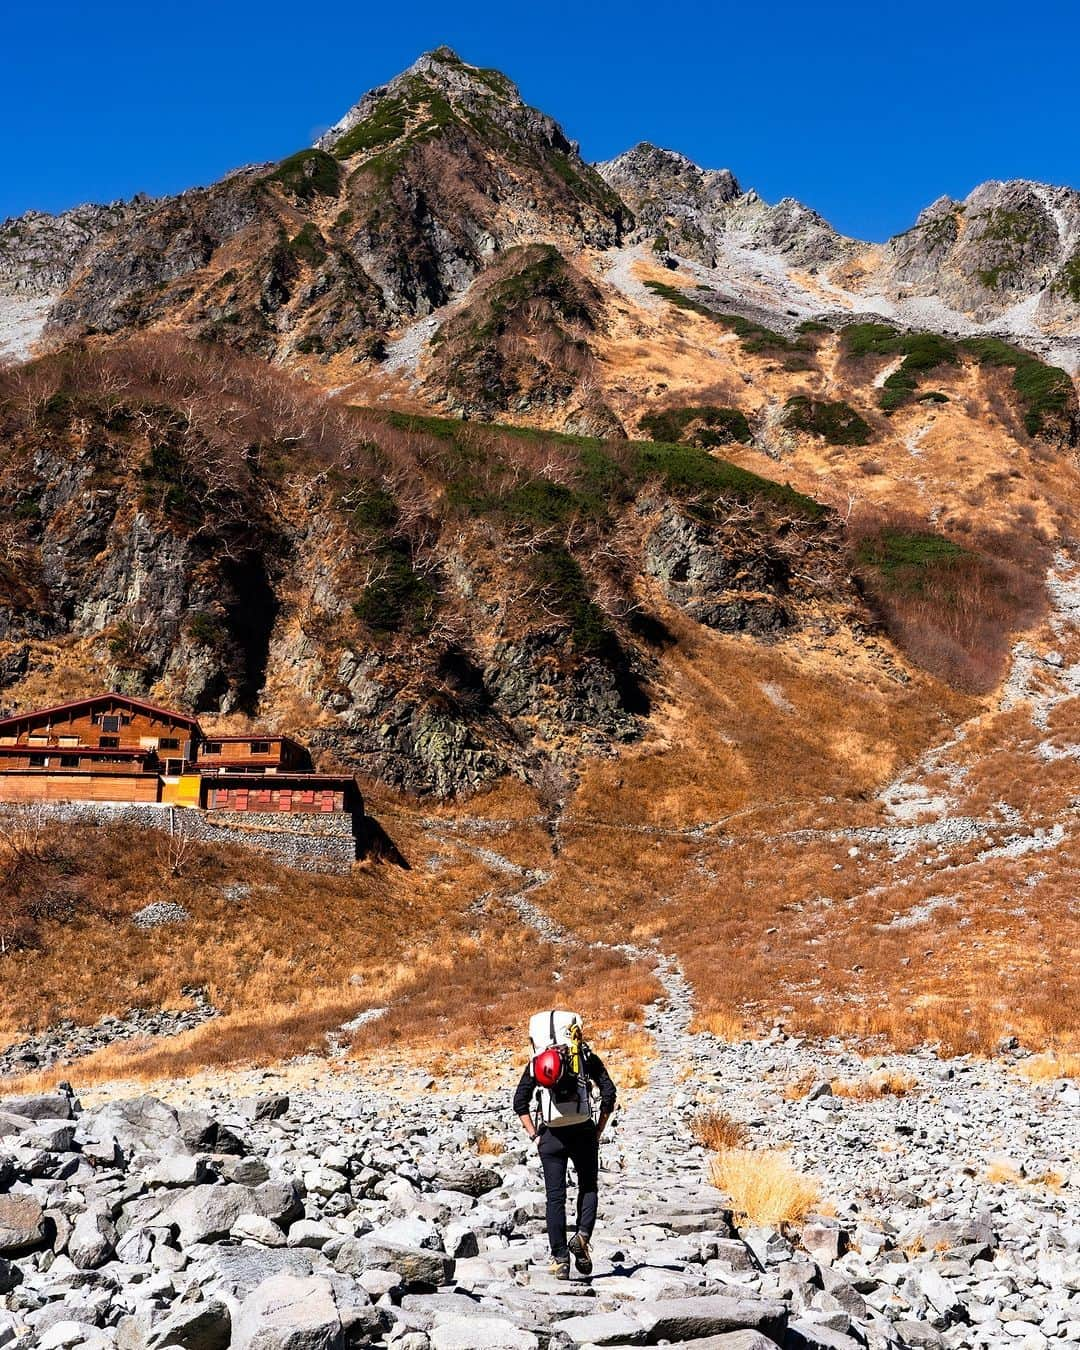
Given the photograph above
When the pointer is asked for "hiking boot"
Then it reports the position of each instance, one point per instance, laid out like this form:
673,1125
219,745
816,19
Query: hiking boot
579,1247
560,1267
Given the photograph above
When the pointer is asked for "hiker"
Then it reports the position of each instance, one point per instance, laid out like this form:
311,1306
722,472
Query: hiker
558,1077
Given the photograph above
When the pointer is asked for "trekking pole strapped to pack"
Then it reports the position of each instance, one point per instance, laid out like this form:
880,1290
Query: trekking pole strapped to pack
563,1087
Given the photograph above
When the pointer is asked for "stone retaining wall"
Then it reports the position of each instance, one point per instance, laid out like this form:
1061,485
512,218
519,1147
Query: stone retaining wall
307,843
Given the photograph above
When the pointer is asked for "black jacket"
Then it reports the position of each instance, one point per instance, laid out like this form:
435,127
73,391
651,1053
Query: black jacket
594,1069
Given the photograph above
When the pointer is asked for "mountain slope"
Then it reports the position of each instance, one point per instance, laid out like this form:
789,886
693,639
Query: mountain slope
393,212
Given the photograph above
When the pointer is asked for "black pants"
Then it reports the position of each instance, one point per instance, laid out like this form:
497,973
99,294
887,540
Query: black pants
575,1144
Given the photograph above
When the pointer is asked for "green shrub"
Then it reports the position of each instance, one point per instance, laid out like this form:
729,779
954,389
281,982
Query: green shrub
206,629
384,125
838,423
906,559
921,352
729,424
307,174
418,102
680,299
607,472
169,482
398,599
375,511
754,337
28,505
308,245
1044,391
684,469
560,579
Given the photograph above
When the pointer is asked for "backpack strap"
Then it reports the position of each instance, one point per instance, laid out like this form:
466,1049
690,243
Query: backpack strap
551,1032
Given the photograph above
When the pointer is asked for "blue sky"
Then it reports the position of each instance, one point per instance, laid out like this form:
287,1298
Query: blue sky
867,111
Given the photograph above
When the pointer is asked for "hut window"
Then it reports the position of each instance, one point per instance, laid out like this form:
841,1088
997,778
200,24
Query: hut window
213,747
109,742
38,761
168,743
260,747
69,761
110,724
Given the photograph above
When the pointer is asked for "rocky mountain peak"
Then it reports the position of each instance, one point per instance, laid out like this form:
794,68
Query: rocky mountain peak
693,211
646,169
1005,243
437,89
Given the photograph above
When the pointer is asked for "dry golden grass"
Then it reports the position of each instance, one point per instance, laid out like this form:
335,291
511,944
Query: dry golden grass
883,1083
720,835
1051,1064
1003,1173
277,966
725,1026
486,1146
716,1130
763,1186
798,1087
1000,1173
628,1056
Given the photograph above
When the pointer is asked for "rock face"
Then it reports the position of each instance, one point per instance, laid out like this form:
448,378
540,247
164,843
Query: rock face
735,579
1004,244
287,1312
22,1224
40,253
697,212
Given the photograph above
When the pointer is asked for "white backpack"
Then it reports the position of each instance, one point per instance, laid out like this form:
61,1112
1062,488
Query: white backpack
568,1103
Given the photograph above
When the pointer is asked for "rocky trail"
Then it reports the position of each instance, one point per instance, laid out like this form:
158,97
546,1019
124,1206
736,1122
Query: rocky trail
340,1214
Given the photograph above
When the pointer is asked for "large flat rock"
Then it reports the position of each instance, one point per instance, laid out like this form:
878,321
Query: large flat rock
681,1319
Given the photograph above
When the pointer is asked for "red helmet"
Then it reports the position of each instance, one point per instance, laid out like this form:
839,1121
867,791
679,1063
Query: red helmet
548,1067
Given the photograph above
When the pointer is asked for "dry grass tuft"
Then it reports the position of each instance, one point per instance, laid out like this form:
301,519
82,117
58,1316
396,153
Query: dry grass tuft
798,1087
884,1083
1052,1064
717,1130
487,1147
725,1026
629,1058
763,1186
